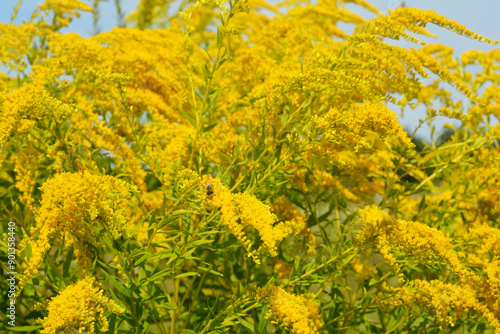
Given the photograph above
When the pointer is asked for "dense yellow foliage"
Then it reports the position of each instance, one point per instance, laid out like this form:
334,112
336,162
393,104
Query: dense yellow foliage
228,169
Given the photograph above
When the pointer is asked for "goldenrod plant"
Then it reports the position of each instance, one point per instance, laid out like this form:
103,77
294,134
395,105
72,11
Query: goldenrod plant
238,167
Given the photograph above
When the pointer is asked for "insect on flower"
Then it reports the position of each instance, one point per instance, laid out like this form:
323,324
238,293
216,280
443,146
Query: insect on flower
210,187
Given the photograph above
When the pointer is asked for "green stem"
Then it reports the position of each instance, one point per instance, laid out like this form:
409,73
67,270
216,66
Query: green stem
198,289
128,273
221,314
312,271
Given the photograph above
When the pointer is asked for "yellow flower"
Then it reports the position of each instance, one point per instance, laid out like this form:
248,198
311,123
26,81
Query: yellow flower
25,168
446,302
242,210
351,130
79,203
79,307
294,223
15,44
30,102
415,239
63,12
300,314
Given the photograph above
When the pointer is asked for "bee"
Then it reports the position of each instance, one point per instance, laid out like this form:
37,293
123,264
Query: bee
210,187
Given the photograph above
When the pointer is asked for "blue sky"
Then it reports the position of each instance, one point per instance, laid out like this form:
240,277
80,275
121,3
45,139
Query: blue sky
481,16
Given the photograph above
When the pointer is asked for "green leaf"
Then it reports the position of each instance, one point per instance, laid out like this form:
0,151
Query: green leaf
213,95
163,204
118,285
152,219
168,306
112,323
188,331
187,116
341,52
210,271
349,258
220,63
308,104
201,242
207,73
161,255
187,254
23,328
188,274
108,241
209,127
421,206
161,274
142,259
143,274
284,118
220,37
277,152
261,329
247,324
67,261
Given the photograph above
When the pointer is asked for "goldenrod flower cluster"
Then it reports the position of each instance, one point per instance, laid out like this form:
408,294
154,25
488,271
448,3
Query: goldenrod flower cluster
26,173
80,205
242,210
14,44
350,129
29,103
62,13
294,222
414,18
300,314
416,241
104,141
79,307
446,302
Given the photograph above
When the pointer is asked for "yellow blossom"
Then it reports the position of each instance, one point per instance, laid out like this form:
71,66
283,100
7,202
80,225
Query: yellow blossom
299,314
80,204
78,307
415,239
294,222
242,210
347,130
31,102
446,302
63,12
